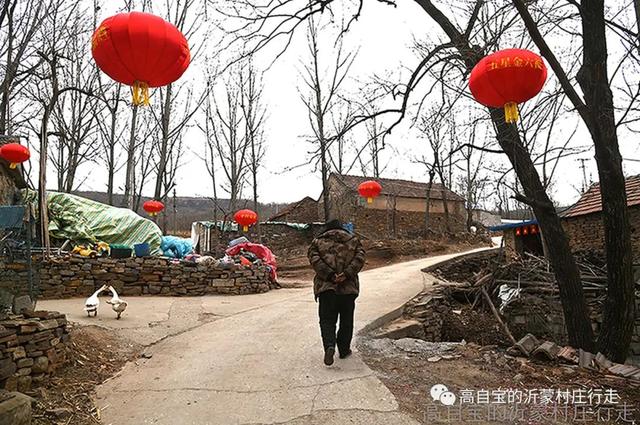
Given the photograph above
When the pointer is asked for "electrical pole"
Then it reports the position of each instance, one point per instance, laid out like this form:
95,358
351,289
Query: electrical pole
175,213
585,185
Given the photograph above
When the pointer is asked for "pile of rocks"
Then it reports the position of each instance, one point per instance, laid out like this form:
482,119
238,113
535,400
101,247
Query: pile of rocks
32,346
75,276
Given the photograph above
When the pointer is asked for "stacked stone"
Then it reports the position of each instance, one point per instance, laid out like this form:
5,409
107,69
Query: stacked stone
430,310
32,346
74,276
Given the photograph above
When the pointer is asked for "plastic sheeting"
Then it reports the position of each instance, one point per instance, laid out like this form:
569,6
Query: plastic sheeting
85,221
175,247
261,251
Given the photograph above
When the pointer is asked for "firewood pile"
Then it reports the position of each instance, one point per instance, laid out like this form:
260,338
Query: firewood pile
532,275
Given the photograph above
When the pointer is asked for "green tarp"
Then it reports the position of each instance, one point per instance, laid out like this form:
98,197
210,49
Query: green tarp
83,220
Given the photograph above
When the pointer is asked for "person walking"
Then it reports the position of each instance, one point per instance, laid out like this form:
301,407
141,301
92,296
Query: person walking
337,257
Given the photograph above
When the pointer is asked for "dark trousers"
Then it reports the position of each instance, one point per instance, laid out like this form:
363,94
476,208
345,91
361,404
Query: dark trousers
331,307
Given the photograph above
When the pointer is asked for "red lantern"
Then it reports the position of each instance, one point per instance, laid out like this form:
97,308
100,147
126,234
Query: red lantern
370,189
518,231
14,153
245,218
153,207
141,50
506,78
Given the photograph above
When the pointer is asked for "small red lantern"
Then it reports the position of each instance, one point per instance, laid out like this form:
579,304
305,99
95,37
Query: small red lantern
14,153
518,231
245,218
141,50
153,207
506,78
370,189
534,229
525,231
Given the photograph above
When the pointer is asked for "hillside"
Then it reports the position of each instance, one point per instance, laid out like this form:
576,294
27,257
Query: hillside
189,209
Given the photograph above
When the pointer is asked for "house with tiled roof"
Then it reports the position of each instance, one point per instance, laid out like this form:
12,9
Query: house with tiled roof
400,210
583,220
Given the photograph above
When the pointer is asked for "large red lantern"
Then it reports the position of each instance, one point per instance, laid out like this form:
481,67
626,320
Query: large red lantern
14,153
153,207
506,78
141,50
245,218
369,189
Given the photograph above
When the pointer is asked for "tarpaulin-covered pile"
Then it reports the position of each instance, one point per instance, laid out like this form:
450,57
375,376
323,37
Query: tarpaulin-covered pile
83,220
261,251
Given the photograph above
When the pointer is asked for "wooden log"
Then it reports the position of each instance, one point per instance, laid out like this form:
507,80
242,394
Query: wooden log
497,316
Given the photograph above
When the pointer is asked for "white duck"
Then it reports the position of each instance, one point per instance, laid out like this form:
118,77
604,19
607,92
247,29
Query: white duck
93,302
118,305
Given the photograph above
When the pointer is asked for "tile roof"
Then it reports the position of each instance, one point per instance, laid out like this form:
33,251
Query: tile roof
402,188
590,202
289,208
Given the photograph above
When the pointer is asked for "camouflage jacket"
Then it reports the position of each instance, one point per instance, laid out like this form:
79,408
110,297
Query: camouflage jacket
334,252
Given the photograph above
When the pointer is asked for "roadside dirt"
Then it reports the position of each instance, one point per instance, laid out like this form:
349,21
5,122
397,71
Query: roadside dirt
94,355
411,375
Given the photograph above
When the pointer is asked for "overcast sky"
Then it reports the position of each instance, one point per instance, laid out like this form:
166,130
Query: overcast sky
384,36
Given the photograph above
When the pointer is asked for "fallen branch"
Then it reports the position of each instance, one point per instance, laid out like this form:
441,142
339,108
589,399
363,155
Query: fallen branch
497,316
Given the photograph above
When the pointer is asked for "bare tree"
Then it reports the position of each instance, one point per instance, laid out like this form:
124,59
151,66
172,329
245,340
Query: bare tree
20,26
74,115
110,131
185,16
229,141
598,113
321,97
254,112
209,158
46,89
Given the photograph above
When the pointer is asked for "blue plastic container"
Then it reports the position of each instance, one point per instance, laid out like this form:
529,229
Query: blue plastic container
142,249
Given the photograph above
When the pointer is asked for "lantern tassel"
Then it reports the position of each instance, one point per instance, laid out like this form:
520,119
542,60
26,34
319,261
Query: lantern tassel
13,165
141,93
245,228
511,114
369,200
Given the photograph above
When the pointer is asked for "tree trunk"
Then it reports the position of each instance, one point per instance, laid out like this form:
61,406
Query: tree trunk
427,210
576,312
619,312
42,181
128,200
166,116
575,309
445,203
111,157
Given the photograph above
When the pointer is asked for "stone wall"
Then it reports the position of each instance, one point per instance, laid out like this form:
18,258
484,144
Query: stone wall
74,276
543,317
32,347
587,231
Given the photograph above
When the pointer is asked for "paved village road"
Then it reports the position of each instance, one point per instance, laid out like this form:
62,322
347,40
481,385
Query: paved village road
263,365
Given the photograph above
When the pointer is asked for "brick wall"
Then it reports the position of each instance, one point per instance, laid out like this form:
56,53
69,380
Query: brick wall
587,231
67,277
32,347
379,223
